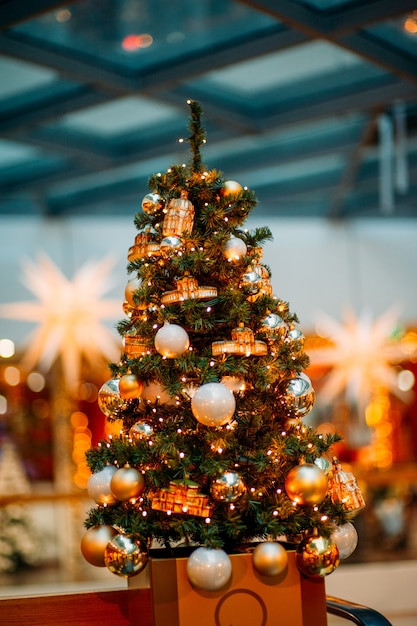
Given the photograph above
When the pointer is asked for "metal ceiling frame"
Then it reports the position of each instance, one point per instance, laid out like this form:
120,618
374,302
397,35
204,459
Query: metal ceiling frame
86,83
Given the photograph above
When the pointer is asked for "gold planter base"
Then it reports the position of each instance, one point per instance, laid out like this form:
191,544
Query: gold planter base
249,599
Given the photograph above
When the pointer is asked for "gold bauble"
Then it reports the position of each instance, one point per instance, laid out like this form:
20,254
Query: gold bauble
130,387
306,484
126,555
317,556
231,187
270,558
127,483
94,542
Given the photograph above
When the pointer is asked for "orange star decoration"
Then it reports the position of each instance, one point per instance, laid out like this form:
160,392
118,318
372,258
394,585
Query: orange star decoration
363,355
69,315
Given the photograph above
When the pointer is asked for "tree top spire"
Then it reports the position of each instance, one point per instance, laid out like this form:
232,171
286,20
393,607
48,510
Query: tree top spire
198,135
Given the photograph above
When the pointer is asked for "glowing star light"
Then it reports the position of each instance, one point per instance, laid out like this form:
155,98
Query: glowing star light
69,315
362,356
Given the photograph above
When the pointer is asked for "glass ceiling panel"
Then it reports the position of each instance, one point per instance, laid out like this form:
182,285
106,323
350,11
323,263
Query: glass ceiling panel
131,32
18,77
394,34
285,68
122,115
12,153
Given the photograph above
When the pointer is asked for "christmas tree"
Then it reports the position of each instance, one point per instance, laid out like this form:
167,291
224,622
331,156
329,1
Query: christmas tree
211,392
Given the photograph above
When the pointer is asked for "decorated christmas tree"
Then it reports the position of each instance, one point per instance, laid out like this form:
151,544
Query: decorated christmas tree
213,456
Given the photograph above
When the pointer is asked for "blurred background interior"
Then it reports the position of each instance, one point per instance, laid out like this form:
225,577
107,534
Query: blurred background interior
313,104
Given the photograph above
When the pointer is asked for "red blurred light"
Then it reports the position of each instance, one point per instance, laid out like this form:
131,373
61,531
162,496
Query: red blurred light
133,42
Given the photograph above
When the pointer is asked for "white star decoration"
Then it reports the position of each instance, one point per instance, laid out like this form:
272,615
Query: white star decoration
69,315
362,356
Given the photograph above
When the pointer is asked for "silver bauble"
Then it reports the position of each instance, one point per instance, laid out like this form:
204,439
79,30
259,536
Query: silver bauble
209,569
228,487
152,203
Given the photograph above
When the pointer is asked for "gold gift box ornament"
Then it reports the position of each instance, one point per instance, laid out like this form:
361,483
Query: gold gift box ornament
136,346
188,289
179,217
243,343
182,496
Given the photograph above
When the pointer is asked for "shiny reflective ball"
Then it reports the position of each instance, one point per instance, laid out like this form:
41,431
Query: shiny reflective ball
346,539
234,249
209,569
140,430
98,486
231,187
317,556
300,396
306,484
126,555
108,398
130,387
152,203
228,487
270,558
213,404
94,542
127,483
171,341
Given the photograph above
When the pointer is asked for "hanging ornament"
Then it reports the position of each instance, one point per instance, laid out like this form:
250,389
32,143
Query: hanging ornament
182,496
126,555
187,288
98,486
213,404
306,484
136,346
94,542
252,281
274,326
108,398
152,203
270,558
155,392
179,217
228,487
145,246
132,285
140,430
346,539
300,396
231,187
243,343
234,249
209,569
296,338
127,483
170,244
323,463
171,341
264,285
130,387
344,489
317,556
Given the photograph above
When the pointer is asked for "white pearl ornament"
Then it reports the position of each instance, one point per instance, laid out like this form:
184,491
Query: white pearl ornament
213,404
209,569
171,341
